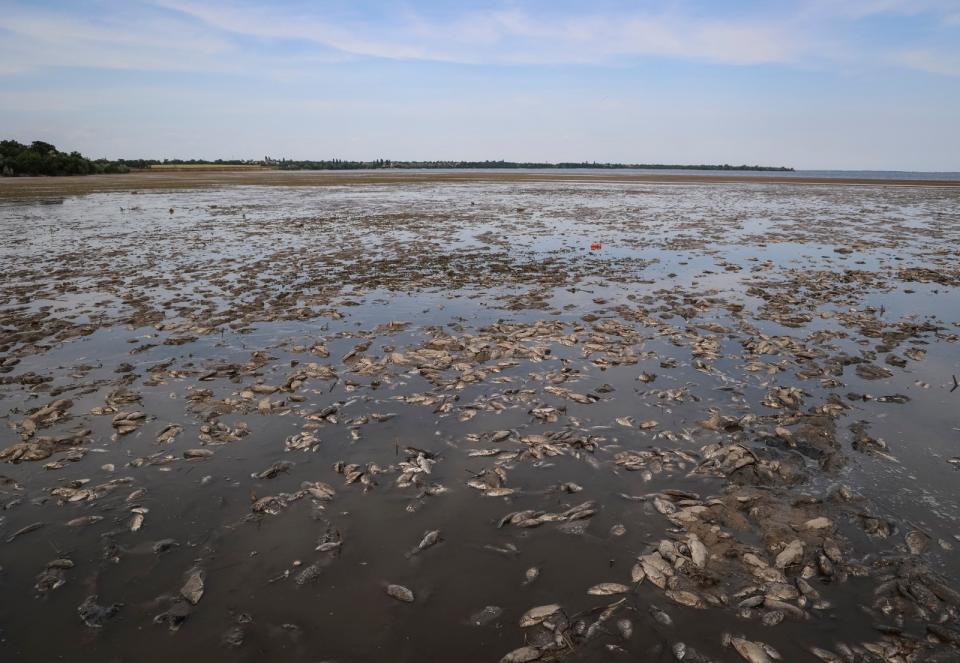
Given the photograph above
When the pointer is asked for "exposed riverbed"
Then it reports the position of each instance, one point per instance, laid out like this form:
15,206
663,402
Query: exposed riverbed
425,421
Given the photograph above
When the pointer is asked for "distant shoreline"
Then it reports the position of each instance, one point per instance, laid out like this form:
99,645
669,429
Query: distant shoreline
387,164
30,187
40,158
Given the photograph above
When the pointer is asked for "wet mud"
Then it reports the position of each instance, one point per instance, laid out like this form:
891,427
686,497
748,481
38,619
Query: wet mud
427,421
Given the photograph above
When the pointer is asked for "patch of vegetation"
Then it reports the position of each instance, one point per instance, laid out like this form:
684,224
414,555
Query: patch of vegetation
40,158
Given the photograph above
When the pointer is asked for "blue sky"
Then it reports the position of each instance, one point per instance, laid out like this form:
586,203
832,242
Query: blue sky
812,83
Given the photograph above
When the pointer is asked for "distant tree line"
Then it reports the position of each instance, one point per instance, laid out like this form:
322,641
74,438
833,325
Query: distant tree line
40,158
339,164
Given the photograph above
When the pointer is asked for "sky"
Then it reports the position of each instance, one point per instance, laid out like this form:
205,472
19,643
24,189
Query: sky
812,84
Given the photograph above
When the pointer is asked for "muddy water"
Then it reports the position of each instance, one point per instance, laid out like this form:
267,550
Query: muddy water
740,366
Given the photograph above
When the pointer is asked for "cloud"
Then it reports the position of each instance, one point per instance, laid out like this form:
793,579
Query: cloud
133,41
284,41
269,24
512,36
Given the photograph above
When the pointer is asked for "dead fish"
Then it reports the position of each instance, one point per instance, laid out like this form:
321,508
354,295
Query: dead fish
318,490
656,569
772,618
137,494
607,613
521,655
832,551
637,574
633,498
197,453
825,656
429,538
32,527
664,506
400,593
515,517
49,580
751,602
784,607
127,422
483,453
625,626
917,541
136,521
807,589
192,589
608,589
84,520
686,598
536,615
750,651
818,523
790,555
309,574
508,549
60,563
331,539
660,616
169,432
274,470
698,551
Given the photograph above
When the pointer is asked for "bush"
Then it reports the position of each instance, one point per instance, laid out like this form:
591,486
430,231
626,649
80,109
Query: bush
40,158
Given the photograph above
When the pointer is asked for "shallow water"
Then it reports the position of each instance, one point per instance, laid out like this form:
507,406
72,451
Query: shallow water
506,311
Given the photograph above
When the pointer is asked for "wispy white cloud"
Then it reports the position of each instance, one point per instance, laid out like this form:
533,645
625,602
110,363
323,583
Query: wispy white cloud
504,36
245,37
36,38
265,22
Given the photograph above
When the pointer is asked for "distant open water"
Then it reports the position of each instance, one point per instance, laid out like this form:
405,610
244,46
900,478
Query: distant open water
838,174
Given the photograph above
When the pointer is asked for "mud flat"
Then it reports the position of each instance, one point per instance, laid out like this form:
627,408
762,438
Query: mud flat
175,177
420,419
